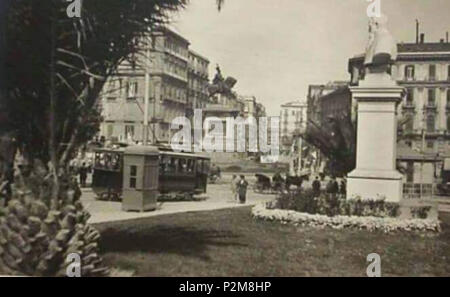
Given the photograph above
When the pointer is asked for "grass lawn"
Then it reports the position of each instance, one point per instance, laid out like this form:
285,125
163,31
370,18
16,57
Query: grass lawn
231,243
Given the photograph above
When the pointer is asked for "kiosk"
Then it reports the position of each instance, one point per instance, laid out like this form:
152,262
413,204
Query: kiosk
140,178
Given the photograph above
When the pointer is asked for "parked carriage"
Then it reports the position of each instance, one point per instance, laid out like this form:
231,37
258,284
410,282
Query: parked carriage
266,185
263,184
179,173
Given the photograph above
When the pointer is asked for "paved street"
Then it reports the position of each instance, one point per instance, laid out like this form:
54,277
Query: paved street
218,196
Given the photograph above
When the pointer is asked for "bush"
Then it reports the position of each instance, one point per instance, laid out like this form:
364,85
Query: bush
332,205
37,236
420,212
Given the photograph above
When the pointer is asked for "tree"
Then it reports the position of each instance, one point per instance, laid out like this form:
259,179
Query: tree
57,67
336,140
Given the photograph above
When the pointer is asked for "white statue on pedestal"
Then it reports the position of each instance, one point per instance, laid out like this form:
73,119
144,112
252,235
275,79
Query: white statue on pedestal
381,51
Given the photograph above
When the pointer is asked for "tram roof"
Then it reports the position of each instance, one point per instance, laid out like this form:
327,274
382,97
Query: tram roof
110,150
188,155
162,152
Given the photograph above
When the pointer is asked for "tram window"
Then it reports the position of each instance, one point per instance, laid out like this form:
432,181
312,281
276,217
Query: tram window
115,164
182,165
133,176
206,166
173,165
199,166
166,164
162,164
97,159
190,165
108,161
100,160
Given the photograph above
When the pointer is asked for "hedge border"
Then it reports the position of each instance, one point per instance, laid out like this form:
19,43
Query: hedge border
386,225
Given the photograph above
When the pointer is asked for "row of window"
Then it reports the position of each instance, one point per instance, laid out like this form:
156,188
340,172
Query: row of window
198,63
292,112
172,65
129,132
411,69
132,87
201,86
175,47
431,98
430,122
174,92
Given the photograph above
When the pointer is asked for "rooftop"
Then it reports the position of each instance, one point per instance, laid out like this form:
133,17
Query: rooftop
172,31
196,54
427,47
423,47
294,104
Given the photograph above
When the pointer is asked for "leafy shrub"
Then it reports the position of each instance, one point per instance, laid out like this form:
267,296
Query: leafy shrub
36,236
420,212
332,205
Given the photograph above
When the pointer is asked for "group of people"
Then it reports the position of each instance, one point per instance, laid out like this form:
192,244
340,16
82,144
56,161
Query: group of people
333,187
239,188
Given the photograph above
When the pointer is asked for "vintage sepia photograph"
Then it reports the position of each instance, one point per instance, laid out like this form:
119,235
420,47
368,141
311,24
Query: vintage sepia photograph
209,141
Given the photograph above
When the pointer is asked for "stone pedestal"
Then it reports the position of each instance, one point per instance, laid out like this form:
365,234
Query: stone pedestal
375,175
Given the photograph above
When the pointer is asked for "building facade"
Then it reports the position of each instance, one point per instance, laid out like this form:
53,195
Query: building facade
424,70
424,113
252,108
315,92
198,81
337,104
165,58
293,120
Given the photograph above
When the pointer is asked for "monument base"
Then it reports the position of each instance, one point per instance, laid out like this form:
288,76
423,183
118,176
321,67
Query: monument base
375,184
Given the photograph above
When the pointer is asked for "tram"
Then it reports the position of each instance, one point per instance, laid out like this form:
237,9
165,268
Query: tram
185,173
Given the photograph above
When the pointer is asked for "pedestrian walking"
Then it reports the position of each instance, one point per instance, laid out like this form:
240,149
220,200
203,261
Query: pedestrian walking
242,189
343,188
83,175
316,186
332,187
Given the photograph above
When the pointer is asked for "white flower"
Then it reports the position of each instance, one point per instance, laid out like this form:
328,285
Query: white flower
339,222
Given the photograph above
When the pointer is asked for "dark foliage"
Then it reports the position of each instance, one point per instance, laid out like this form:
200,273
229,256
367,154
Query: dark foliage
84,52
333,205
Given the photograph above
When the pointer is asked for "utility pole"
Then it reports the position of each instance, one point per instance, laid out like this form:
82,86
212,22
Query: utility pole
146,95
421,162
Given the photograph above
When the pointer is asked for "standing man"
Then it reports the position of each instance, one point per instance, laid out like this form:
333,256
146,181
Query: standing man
83,175
343,188
242,189
316,186
335,186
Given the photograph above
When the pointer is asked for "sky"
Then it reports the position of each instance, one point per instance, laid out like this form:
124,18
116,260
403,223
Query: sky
277,48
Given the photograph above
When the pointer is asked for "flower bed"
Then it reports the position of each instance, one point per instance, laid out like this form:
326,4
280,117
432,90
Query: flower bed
339,222
334,205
